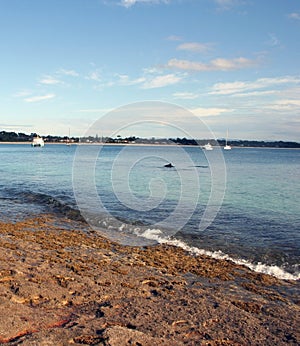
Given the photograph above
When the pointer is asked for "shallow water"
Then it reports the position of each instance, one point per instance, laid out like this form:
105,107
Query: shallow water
241,203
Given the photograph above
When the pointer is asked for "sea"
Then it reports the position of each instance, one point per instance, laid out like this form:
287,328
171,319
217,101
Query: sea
240,204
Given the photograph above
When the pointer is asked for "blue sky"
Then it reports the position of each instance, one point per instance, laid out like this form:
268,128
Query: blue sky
235,64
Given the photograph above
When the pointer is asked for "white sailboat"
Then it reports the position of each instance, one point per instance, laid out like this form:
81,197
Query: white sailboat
227,146
68,142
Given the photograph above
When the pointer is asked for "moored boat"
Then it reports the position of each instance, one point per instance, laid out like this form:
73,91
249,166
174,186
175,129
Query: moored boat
227,146
208,146
37,142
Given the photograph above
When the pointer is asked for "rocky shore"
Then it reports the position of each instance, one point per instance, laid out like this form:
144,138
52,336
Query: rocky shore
61,284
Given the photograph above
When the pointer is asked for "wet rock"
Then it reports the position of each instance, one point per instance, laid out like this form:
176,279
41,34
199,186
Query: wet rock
121,336
61,284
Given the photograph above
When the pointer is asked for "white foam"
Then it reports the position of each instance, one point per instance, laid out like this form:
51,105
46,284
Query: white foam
155,234
122,227
152,234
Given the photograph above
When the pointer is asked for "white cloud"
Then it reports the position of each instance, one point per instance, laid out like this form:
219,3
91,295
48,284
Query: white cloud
39,98
129,3
174,38
257,93
186,65
49,80
273,40
294,15
224,4
233,64
125,80
195,47
95,110
207,112
185,96
292,92
227,4
22,93
94,75
162,81
285,105
239,87
219,64
68,72
151,70
229,88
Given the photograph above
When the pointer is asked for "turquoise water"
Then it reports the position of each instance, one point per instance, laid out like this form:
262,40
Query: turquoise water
242,204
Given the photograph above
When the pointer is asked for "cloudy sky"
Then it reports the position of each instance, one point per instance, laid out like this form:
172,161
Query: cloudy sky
235,64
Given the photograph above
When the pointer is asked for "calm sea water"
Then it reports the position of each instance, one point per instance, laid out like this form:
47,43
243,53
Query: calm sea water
241,204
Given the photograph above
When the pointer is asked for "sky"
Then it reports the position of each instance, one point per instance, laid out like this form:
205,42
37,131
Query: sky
234,64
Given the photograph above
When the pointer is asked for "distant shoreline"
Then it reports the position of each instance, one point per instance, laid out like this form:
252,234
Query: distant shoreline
146,145
22,138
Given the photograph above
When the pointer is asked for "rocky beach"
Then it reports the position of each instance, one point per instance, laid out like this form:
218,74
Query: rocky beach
64,284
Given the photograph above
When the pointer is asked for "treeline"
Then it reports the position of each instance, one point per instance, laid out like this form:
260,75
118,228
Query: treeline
261,144
22,137
237,143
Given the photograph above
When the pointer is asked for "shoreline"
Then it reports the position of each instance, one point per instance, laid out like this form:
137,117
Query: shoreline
64,284
142,144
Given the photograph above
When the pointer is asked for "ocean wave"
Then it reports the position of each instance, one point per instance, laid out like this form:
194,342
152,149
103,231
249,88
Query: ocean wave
124,231
276,271
45,202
